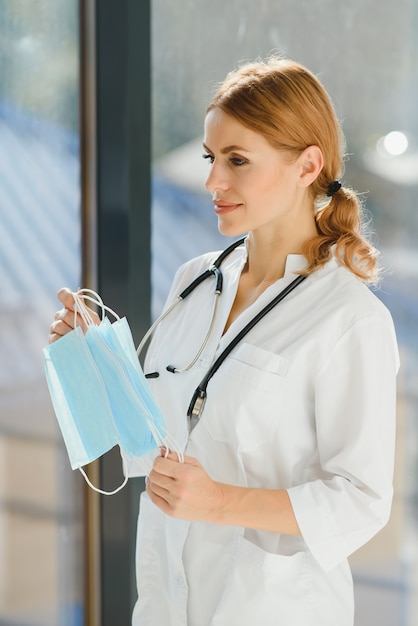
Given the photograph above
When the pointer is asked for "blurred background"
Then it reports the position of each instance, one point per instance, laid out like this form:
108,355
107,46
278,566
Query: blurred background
101,185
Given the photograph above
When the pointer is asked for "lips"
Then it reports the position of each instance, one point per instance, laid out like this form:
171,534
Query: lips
223,206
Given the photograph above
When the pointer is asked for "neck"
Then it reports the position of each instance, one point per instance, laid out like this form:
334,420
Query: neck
268,251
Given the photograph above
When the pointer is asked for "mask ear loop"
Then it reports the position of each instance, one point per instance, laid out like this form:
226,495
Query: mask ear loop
94,297
84,312
106,493
103,307
81,309
166,441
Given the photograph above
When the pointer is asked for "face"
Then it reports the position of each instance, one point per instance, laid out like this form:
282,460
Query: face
253,185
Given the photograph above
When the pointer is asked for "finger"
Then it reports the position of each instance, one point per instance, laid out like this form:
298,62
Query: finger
68,317
65,296
159,501
58,329
160,483
158,489
190,460
66,314
173,456
169,454
53,337
167,467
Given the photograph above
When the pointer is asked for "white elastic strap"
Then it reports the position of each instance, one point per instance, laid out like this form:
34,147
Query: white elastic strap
107,493
97,300
95,296
166,441
80,309
172,445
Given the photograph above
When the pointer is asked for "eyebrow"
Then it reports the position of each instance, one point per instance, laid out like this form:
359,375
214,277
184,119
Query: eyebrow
228,149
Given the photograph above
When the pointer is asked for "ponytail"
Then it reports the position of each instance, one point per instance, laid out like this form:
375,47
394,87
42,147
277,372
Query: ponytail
339,223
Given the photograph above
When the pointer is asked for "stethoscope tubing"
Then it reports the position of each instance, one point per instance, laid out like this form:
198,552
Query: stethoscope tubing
213,270
199,396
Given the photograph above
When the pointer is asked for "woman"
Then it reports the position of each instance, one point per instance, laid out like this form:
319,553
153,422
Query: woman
289,467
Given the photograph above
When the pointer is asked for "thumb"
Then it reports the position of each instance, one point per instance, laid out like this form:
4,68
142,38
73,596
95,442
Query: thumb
65,296
190,460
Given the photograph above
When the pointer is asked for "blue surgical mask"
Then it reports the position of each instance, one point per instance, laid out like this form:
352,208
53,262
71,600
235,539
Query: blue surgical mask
100,395
136,420
79,399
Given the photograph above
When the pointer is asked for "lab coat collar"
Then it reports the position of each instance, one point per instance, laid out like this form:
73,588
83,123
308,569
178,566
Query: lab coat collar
294,262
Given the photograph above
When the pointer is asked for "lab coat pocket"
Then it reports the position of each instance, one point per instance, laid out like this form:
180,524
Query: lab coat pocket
248,397
261,360
265,588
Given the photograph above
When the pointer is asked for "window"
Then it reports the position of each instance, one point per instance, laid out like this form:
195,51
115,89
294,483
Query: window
41,508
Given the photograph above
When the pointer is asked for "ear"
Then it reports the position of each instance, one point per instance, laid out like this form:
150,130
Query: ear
311,163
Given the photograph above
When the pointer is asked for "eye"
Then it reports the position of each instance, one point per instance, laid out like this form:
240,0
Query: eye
209,157
237,161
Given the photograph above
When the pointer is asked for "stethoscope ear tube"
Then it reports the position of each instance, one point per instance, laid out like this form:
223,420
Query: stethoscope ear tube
195,283
211,271
214,269
228,251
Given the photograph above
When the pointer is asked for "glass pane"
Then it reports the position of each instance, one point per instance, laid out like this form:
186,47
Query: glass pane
371,75
41,539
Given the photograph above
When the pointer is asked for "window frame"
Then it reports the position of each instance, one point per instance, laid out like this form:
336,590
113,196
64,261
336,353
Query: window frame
116,250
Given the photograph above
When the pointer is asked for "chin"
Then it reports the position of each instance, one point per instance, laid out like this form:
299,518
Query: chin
230,230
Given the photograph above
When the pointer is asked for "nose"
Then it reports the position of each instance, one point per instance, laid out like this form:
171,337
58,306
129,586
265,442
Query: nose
217,179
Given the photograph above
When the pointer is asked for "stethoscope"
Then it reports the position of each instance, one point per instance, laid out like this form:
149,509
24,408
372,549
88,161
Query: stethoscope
199,396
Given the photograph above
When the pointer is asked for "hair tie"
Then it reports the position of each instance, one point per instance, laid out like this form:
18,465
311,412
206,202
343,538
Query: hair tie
333,188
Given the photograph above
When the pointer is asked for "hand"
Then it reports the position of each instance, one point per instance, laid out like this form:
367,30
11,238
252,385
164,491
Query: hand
64,319
184,490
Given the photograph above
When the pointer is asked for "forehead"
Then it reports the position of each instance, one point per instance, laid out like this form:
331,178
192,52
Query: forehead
223,130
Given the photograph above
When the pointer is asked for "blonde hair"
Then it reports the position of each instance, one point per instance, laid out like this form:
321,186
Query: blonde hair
283,101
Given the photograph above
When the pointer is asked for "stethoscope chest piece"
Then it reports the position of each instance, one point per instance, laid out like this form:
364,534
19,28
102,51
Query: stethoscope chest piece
196,406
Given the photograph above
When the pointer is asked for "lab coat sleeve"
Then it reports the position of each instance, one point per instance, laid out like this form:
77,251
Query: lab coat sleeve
355,396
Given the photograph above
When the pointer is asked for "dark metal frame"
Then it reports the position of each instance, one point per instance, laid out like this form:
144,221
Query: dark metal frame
116,199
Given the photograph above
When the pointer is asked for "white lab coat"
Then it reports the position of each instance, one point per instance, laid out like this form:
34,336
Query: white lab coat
306,402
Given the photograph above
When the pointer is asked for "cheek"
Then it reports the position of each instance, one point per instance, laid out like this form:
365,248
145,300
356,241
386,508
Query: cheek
262,181
266,191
